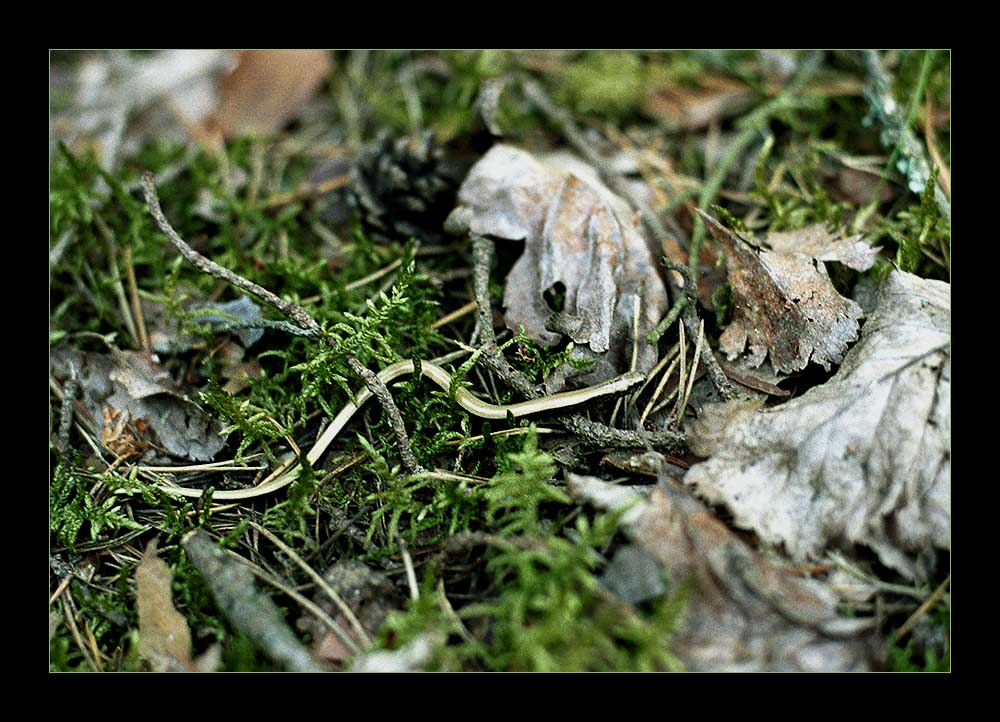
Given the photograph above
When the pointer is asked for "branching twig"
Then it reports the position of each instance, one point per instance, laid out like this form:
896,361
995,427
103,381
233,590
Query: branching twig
250,611
293,311
287,308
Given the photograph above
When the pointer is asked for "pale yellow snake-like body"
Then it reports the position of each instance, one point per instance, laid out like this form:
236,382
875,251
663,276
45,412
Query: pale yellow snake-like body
288,472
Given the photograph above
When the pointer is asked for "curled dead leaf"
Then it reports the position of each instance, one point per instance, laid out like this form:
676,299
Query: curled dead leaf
136,405
784,307
577,234
744,612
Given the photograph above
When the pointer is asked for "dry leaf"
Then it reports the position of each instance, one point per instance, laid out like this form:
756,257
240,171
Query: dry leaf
135,403
817,242
784,307
268,88
164,636
743,613
864,458
577,233
122,100
678,107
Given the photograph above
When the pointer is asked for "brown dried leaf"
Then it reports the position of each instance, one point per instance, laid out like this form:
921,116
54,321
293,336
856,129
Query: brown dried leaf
864,458
784,306
577,233
819,243
678,107
136,405
744,613
268,88
164,637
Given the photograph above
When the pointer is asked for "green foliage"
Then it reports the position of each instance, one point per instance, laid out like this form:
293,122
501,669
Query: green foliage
610,83
914,656
921,233
255,423
552,614
72,504
515,495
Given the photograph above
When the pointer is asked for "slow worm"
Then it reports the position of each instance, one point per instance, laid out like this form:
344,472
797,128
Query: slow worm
288,472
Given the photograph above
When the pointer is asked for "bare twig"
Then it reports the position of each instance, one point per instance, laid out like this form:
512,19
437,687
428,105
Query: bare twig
133,290
381,392
249,610
66,410
923,609
287,308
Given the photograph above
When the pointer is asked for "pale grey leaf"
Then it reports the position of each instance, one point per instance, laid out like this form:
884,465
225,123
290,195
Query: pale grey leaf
744,612
864,458
577,233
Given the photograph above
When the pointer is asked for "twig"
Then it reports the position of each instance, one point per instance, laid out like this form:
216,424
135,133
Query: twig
923,609
455,315
293,311
133,290
692,322
327,589
381,392
123,306
69,609
249,610
66,410
411,575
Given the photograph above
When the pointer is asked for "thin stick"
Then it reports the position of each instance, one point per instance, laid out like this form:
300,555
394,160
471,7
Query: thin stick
694,369
659,390
455,315
374,276
60,589
68,609
133,291
325,586
411,574
635,353
66,410
123,306
681,378
287,308
923,609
